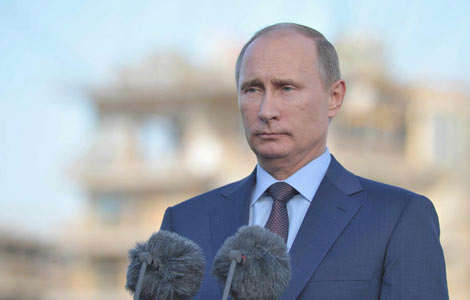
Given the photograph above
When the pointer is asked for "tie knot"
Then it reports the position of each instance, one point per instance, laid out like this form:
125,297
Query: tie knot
281,191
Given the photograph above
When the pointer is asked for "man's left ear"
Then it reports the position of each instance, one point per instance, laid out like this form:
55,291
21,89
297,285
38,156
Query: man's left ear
335,98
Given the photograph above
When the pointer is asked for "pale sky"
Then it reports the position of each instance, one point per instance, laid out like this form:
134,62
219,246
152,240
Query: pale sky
49,49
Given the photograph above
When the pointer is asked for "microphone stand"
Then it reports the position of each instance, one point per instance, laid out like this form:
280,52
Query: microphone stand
146,259
236,257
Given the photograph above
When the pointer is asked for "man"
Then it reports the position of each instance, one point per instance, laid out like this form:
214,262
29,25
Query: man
348,237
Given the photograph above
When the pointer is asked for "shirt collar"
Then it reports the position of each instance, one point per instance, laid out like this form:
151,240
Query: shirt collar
306,180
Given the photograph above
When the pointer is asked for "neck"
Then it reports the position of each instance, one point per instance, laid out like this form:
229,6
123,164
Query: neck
282,168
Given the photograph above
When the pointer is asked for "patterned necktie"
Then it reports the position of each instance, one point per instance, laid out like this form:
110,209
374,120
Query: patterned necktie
278,221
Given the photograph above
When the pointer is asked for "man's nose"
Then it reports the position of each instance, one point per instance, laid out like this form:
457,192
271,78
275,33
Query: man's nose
269,109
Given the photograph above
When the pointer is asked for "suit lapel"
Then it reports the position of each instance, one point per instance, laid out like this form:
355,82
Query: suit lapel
330,212
232,212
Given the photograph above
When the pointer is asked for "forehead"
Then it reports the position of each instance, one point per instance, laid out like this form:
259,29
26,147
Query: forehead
281,51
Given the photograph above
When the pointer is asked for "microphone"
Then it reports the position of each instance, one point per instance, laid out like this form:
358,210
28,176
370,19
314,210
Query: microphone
262,262
175,268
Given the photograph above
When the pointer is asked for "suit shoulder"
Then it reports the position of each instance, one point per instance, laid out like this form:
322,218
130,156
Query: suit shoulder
397,204
392,194
380,187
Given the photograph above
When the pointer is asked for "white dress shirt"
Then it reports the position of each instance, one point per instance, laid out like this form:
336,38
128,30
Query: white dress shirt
306,181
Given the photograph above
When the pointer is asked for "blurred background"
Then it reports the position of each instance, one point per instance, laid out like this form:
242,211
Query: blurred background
110,111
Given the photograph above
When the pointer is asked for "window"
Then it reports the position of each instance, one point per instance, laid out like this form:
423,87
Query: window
109,208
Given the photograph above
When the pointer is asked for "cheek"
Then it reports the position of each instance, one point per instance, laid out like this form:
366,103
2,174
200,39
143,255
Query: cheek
310,119
249,113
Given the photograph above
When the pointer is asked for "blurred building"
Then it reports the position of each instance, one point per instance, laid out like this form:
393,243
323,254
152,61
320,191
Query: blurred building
27,266
168,129
411,135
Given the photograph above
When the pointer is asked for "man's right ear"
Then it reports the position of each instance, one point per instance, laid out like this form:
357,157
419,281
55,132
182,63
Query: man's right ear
336,97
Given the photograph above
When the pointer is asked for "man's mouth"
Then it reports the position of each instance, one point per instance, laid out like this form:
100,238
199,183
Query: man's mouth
269,134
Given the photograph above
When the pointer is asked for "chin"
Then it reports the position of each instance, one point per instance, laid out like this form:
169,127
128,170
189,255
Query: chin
270,154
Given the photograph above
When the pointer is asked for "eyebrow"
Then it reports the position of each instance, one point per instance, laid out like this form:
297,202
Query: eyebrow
284,82
277,82
253,82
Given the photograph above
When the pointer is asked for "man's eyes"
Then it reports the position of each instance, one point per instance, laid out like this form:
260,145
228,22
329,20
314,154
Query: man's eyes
250,90
287,88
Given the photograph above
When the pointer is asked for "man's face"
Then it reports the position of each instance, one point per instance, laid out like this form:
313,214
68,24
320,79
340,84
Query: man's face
284,105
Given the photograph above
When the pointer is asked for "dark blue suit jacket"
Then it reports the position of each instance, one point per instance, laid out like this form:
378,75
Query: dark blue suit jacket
360,239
